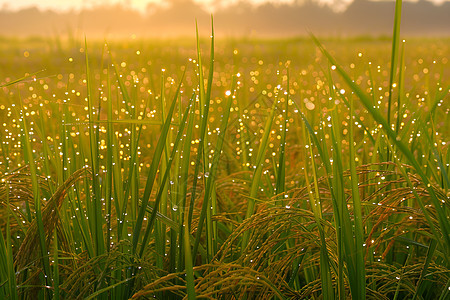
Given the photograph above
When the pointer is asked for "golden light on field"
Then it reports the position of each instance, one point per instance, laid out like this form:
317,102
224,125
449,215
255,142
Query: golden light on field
272,166
142,5
169,18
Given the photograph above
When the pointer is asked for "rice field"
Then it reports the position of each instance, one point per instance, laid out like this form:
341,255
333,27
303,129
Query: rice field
225,168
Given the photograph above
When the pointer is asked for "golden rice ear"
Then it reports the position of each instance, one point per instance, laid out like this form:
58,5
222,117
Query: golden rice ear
15,189
27,250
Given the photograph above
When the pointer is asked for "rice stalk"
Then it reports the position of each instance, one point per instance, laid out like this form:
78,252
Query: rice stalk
39,233
399,145
256,179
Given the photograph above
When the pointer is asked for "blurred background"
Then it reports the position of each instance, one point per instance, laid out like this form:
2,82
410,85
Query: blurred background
233,18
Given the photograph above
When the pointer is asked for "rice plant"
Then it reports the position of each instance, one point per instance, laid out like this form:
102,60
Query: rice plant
226,169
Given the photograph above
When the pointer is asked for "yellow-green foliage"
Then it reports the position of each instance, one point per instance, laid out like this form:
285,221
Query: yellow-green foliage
126,169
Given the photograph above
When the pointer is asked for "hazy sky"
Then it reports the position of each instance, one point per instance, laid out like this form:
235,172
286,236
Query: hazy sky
141,4
361,18
137,4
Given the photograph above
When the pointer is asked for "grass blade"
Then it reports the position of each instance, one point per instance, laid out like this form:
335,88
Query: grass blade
190,285
394,57
365,100
360,272
96,210
211,174
163,187
152,172
29,158
256,180
8,276
281,171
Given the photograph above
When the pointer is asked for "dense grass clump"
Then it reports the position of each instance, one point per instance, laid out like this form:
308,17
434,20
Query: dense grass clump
261,169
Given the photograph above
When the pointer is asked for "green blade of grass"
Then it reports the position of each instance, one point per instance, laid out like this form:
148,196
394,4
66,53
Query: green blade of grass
256,180
132,185
153,170
5,280
211,174
56,289
437,158
445,291
106,289
29,158
21,79
281,171
163,187
340,211
96,211
184,182
211,230
426,264
8,276
190,284
109,163
394,58
360,289
165,219
443,222
314,197
204,109
401,86
322,153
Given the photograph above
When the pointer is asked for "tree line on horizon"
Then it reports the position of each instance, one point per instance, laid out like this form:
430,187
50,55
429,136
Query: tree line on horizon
361,17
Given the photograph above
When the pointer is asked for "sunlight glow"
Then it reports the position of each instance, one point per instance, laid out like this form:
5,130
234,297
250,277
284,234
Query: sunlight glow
143,5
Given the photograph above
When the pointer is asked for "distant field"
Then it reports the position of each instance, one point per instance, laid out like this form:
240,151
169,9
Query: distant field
129,170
